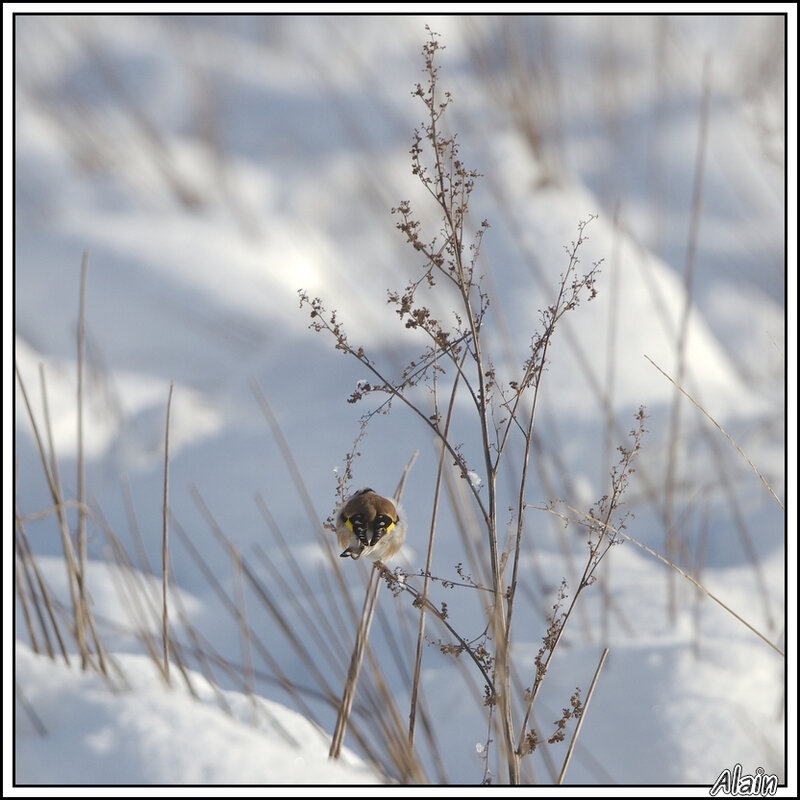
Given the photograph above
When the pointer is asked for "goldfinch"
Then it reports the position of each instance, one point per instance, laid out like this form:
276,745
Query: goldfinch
369,525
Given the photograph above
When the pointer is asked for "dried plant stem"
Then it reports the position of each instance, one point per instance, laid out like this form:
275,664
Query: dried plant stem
282,679
294,469
25,556
673,435
83,617
29,710
412,716
722,430
81,461
305,495
379,752
504,646
578,727
677,569
398,492
362,634
597,551
357,656
69,551
315,619
165,543
22,594
451,257
450,187
244,626
528,439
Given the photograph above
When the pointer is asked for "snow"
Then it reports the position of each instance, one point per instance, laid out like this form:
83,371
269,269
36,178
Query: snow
88,730
211,167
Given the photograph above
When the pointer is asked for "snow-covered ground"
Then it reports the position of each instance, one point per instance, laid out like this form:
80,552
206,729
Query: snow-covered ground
212,167
75,728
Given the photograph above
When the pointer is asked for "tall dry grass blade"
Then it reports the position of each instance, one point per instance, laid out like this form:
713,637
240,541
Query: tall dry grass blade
288,457
176,597
677,569
43,598
268,600
22,594
84,622
674,429
244,627
578,727
75,581
610,391
165,542
35,719
133,525
319,624
346,704
343,595
200,651
398,492
396,631
81,465
246,637
396,736
722,430
137,595
102,657
177,649
83,616
55,493
405,760
283,680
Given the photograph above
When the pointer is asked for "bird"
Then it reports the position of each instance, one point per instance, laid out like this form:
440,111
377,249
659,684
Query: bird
370,525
